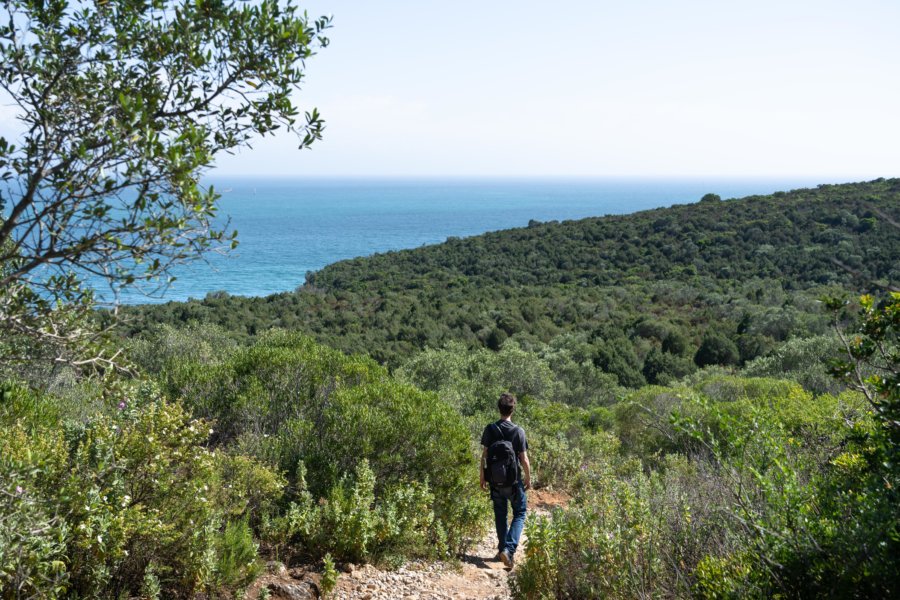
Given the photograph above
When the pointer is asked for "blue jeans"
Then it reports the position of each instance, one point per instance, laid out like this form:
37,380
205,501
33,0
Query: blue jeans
508,536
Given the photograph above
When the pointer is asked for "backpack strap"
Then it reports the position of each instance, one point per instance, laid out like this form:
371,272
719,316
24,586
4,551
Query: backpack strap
503,437
499,430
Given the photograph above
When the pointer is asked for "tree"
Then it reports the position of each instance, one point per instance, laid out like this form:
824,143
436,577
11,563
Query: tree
122,106
872,366
716,350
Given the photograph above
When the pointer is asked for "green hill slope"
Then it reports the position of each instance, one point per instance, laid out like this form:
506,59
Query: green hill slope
791,236
618,289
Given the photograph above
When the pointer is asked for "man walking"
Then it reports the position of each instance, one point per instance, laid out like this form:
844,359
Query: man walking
505,467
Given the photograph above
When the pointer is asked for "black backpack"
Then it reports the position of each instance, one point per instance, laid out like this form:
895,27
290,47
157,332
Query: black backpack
502,463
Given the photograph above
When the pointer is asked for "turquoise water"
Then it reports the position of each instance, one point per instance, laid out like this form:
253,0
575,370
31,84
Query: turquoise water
289,227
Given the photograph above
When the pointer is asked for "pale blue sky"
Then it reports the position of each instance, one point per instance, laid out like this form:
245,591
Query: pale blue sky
796,88
600,88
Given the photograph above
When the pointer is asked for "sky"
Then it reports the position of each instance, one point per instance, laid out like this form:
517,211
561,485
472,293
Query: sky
599,88
596,88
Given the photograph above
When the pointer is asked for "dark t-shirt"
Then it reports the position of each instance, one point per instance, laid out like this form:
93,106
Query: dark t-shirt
511,432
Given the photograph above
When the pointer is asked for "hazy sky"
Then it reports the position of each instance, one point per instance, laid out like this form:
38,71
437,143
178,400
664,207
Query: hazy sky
797,88
595,87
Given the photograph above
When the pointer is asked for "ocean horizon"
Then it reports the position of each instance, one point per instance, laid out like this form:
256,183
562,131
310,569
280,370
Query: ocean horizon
288,227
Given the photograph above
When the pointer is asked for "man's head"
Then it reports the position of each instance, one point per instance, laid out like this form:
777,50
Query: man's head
506,404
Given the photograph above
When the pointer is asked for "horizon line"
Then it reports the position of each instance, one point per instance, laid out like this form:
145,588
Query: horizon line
761,177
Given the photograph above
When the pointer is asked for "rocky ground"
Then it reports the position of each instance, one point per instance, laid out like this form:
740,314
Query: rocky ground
477,576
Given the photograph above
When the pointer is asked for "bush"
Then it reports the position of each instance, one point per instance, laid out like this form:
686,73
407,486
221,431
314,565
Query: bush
803,360
801,475
716,349
773,459
579,382
237,564
352,524
165,345
556,461
473,380
626,535
314,412
662,368
105,500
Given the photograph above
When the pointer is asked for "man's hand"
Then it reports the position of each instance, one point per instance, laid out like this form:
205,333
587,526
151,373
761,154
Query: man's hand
526,468
481,467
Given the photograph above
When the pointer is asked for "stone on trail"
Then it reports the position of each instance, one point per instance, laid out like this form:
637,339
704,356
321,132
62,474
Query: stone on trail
292,591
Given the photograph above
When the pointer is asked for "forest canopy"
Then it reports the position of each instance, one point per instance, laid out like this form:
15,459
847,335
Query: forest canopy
647,297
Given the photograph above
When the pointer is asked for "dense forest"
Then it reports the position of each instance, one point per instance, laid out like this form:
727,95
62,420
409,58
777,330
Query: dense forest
715,385
644,297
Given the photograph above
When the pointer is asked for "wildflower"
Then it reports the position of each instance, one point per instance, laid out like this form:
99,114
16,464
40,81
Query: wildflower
121,405
19,490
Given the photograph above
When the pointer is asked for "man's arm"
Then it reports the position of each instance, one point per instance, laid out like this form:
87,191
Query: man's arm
481,465
526,466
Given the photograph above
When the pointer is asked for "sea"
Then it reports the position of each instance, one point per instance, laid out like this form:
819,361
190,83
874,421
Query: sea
290,227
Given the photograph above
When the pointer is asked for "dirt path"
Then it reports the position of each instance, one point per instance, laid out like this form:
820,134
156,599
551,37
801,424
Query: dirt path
477,577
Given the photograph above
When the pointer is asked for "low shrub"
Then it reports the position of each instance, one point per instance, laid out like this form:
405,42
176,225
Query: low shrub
626,535
314,414
129,499
802,360
351,524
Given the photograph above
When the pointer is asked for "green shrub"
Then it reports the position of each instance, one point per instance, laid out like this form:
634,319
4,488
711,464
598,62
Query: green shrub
626,535
472,380
314,413
32,538
237,563
802,487
246,489
165,345
150,588
555,461
802,360
725,578
329,576
352,524
716,349
642,420
663,368
740,490
130,489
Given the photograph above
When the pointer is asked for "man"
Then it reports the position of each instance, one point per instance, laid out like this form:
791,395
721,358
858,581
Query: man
512,490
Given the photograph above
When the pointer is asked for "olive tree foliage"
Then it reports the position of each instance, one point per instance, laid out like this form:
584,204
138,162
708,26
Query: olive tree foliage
121,106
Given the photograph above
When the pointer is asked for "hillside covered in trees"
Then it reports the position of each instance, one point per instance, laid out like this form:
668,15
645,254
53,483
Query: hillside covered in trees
645,297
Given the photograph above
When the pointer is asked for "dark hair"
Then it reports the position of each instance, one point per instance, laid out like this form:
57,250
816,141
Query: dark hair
506,404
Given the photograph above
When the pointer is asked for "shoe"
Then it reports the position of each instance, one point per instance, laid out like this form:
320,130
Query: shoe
507,559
